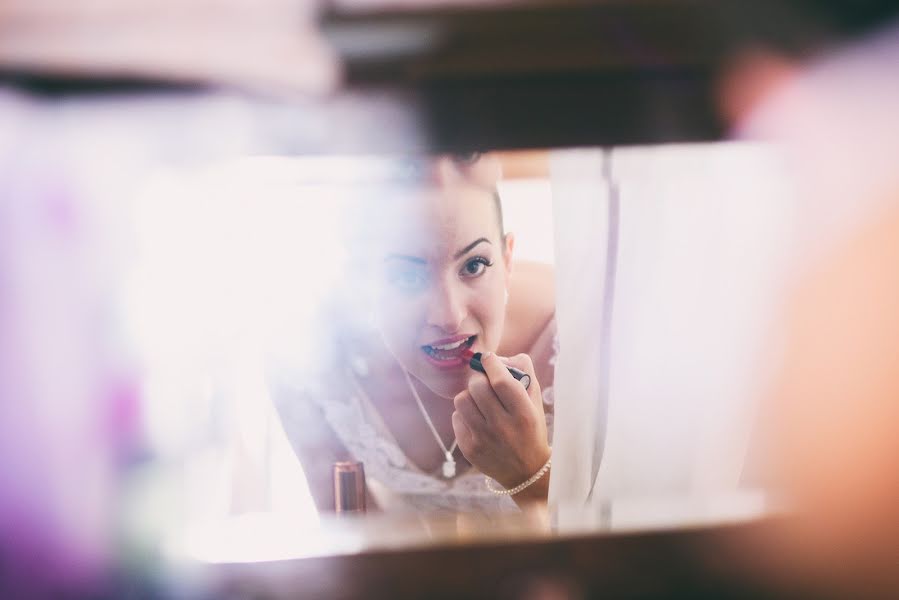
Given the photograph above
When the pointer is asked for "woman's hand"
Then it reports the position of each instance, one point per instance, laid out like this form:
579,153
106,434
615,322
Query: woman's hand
500,426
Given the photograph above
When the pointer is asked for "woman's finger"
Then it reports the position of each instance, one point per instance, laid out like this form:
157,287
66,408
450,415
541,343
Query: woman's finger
485,398
523,362
464,436
468,409
509,390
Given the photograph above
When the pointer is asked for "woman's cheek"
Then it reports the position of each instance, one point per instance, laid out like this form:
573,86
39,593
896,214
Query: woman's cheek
491,312
396,323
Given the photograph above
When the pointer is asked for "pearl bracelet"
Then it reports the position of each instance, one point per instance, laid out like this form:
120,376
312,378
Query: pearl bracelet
520,486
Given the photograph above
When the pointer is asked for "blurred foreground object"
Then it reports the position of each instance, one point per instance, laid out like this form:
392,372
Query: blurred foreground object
271,45
831,423
554,73
477,74
835,416
68,404
673,547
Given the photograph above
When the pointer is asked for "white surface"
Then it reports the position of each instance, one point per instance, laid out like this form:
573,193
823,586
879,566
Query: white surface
528,213
580,213
704,231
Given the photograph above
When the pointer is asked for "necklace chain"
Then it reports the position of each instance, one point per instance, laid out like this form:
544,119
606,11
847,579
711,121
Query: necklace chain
448,452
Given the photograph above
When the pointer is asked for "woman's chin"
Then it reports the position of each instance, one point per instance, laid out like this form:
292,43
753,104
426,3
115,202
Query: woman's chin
446,378
446,386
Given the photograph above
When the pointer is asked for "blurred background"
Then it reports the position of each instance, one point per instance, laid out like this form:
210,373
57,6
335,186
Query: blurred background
714,183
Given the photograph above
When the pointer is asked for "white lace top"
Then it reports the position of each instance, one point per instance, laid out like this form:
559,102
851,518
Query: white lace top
393,480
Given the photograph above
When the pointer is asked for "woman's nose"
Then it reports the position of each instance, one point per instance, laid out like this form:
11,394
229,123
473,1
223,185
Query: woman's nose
446,308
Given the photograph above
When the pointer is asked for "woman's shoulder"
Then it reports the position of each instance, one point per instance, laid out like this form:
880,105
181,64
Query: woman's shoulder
306,409
531,309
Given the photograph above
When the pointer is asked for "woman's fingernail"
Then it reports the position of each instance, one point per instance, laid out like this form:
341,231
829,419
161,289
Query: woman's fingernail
486,355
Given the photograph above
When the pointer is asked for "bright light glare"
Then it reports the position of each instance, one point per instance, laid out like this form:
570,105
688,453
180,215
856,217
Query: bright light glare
231,261
259,538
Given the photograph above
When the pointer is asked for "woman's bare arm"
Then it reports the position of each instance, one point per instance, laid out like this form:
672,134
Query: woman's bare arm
312,439
532,304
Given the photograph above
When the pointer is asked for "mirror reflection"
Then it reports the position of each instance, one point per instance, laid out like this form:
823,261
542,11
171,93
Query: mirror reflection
228,337
408,335
441,369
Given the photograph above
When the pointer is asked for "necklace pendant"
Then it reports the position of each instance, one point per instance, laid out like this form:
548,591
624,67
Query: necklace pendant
449,466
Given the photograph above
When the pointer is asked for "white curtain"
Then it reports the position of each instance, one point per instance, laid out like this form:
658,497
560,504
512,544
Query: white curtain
580,217
679,250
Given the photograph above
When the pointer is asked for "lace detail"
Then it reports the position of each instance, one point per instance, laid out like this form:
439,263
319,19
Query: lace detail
554,353
395,482
549,411
386,464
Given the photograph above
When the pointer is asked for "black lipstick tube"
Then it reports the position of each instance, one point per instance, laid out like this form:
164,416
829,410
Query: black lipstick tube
521,376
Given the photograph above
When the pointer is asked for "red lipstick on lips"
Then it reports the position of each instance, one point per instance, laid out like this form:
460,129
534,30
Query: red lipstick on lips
447,353
474,361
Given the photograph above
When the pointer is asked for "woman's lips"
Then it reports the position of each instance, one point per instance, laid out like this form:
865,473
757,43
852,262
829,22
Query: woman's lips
448,353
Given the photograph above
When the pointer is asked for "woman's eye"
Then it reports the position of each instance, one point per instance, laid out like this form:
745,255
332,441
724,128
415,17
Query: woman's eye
407,279
476,266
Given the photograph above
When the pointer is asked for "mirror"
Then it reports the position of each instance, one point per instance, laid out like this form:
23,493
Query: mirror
316,362
350,295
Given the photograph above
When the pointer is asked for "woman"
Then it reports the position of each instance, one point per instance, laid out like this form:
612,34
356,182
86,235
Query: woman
401,398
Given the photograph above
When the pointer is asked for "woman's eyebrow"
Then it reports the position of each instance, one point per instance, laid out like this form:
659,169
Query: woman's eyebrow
470,246
414,259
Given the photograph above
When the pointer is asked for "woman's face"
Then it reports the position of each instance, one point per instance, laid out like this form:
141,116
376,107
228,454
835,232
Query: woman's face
441,275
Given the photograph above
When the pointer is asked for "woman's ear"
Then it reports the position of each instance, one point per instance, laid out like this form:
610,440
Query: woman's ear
508,247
